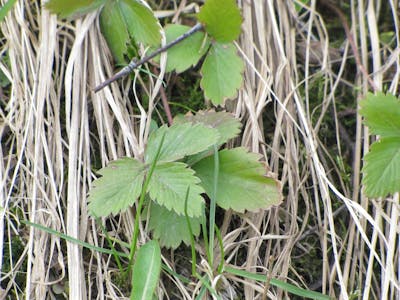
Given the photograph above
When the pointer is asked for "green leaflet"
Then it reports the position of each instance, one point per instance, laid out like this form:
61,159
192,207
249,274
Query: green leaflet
188,52
382,168
114,30
141,23
227,125
125,19
118,188
222,73
381,114
170,228
73,8
168,187
221,19
180,140
242,184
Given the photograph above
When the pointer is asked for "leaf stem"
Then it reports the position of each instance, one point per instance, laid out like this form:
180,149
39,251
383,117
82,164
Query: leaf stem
135,63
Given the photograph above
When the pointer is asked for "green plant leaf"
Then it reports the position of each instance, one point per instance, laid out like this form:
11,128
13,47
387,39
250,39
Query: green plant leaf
382,114
140,21
114,30
180,140
221,19
125,19
168,187
227,125
118,188
73,8
146,271
382,168
221,73
186,53
242,184
170,228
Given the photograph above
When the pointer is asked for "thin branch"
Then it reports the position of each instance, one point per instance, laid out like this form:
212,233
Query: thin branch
134,63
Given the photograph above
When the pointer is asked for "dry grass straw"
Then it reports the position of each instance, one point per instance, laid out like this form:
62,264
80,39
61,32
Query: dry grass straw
54,130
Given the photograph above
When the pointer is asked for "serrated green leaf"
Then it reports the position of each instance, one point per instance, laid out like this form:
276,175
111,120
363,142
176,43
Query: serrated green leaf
118,188
242,184
114,30
73,8
382,114
170,228
382,168
180,140
140,21
221,73
227,125
221,19
146,271
188,52
168,186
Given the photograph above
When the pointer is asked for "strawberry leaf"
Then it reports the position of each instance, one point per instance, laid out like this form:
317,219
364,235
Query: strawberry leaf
180,140
221,73
382,168
221,19
382,114
73,8
140,21
170,228
188,52
168,186
118,188
242,184
114,30
227,125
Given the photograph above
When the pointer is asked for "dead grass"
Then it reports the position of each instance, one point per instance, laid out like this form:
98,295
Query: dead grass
326,235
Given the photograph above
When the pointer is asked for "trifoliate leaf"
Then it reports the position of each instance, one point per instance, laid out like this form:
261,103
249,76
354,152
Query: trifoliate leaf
168,187
382,168
180,140
118,188
242,184
114,30
188,52
222,73
170,228
227,125
146,271
140,21
221,19
73,8
382,114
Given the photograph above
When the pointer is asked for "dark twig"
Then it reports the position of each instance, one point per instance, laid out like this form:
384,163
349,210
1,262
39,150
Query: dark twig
134,63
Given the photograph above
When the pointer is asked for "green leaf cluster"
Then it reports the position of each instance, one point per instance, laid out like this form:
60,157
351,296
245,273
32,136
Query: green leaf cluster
382,164
185,162
120,20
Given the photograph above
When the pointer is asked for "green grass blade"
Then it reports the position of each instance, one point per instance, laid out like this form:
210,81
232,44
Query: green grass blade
74,240
278,283
213,204
193,249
